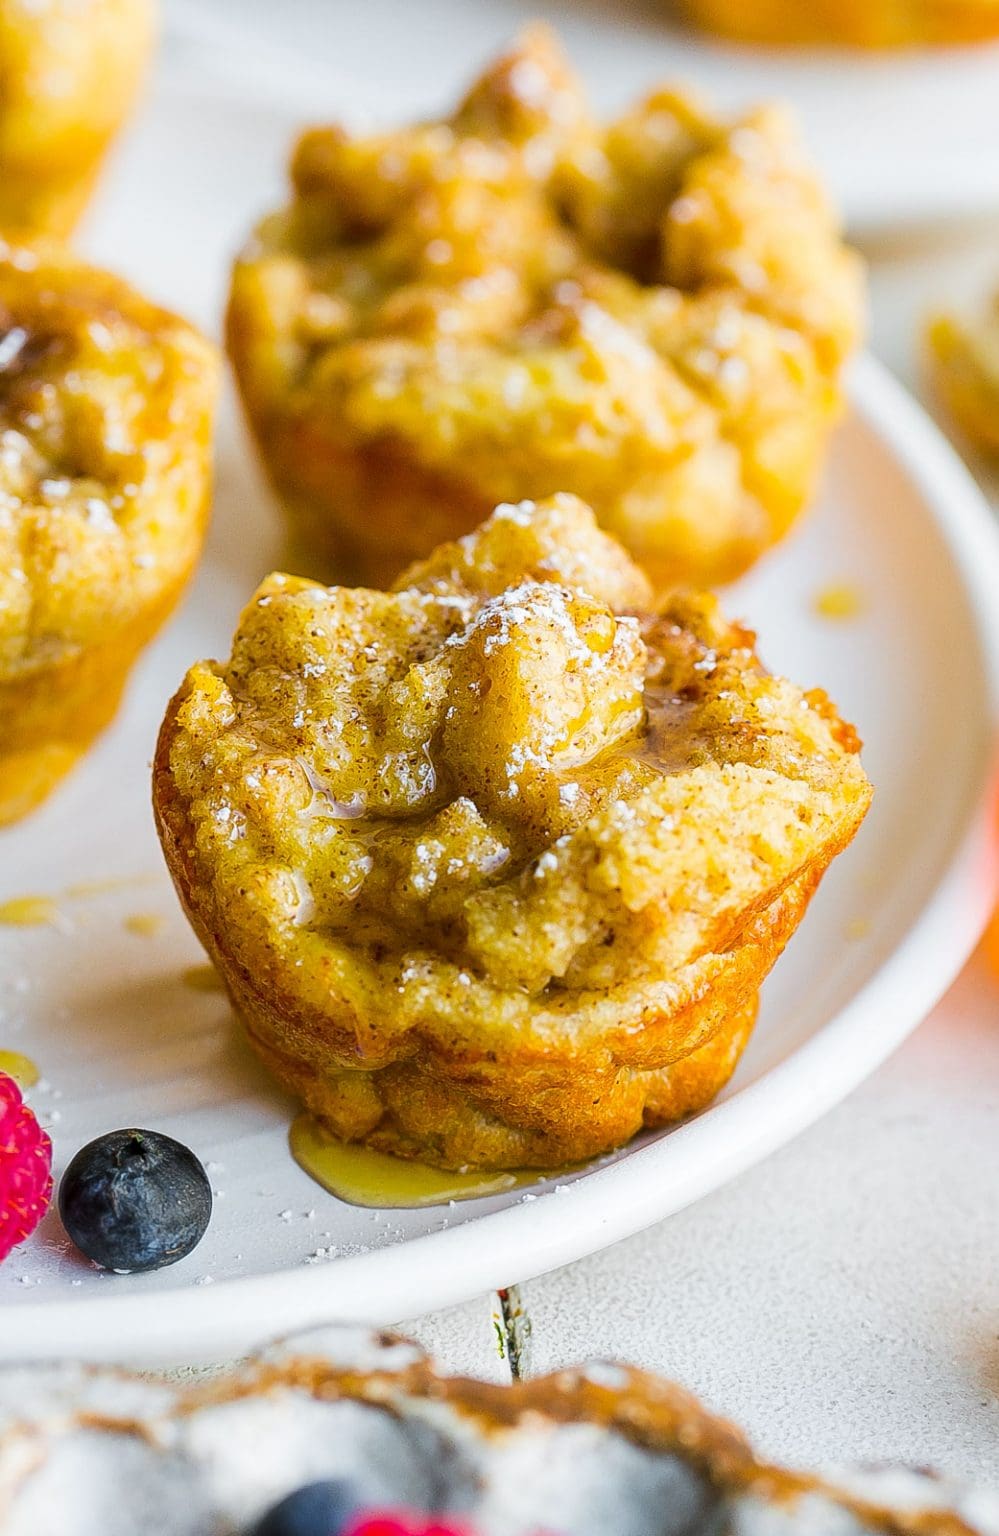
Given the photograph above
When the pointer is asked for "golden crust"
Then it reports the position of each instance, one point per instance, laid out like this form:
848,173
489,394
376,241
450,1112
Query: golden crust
105,439
859,23
71,70
494,865
518,301
964,372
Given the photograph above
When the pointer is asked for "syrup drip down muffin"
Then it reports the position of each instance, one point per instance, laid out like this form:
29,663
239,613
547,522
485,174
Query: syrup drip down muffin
493,864
106,407
519,300
71,70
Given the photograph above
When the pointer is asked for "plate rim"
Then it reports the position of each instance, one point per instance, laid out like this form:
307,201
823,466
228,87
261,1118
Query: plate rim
520,1242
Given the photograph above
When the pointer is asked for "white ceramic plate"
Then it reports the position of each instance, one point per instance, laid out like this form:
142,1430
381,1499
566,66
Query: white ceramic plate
122,1041
899,136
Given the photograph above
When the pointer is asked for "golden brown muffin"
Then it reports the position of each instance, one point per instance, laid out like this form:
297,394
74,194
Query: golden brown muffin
70,71
105,441
493,865
858,23
964,371
519,301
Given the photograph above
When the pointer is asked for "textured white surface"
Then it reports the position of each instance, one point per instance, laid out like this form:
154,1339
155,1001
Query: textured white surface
470,1340
840,1301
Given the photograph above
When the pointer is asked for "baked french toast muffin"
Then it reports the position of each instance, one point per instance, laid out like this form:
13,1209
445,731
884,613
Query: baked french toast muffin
519,300
964,371
71,71
106,407
493,865
857,23
364,1430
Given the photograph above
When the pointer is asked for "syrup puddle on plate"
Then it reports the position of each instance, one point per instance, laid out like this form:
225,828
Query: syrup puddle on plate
839,601
21,1068
361,1176
202,978
30,912
145,925
45,911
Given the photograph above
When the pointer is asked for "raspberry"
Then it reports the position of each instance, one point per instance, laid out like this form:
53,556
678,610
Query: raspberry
405,1525
25,1168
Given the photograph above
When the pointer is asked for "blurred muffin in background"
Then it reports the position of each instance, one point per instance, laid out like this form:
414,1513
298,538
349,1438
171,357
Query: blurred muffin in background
70,71
106,407
520,300
964,371
857,23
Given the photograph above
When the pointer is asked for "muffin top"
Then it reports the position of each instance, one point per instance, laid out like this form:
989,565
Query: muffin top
650,314
105,423
512,779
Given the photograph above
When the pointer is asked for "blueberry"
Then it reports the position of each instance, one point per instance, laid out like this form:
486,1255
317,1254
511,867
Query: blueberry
318,1509
134,1200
